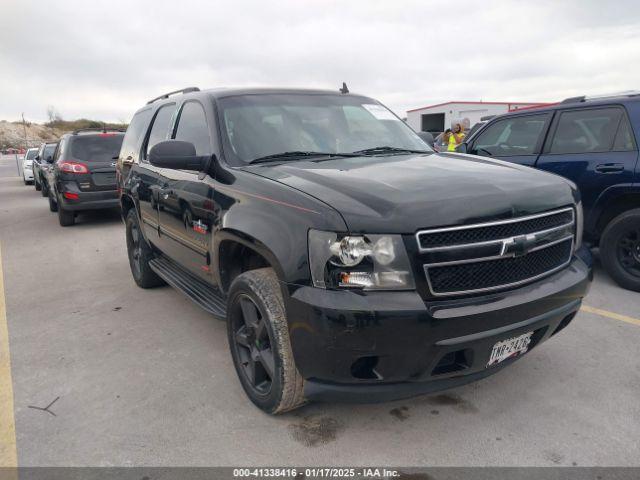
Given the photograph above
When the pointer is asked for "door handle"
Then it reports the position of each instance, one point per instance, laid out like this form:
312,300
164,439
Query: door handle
610,168
127,161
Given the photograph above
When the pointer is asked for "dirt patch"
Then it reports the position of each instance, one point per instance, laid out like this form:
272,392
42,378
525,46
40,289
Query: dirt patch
315,431
452,400
400,413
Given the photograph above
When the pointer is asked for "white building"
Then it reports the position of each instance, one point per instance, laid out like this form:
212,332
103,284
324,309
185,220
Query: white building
439,117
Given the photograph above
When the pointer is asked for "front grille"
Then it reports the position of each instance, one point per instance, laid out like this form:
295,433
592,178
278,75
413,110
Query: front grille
493,231
503,272
496,255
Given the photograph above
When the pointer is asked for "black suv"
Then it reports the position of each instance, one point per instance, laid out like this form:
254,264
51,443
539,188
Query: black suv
350,261
41,165
83,174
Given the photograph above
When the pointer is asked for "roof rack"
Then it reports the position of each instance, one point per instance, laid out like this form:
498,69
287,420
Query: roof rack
101,129
166,95
584,98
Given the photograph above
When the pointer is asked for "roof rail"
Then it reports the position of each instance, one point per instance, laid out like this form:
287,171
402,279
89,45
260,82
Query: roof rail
101,129
166,95
584,98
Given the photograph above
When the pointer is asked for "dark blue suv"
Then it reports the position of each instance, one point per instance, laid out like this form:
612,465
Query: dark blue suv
592,141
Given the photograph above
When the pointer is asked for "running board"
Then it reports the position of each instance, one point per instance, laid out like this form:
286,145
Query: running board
204,295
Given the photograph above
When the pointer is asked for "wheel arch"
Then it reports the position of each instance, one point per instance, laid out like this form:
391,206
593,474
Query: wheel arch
237,252
612,206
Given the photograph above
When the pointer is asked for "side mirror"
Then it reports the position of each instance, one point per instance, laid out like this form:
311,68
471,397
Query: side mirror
427,137
462,148
37,158
49,159
177,155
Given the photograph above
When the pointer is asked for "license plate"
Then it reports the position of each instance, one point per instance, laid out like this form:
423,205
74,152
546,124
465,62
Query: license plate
508,348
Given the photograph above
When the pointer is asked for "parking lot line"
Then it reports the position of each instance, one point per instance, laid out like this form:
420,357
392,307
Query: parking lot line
8,453
608,314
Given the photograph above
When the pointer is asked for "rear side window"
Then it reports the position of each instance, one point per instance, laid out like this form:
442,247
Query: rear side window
586,131
48,150
160,126
511,136
624,141
95,148
135,131
192,127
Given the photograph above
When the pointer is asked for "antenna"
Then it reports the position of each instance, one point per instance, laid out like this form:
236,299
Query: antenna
344,88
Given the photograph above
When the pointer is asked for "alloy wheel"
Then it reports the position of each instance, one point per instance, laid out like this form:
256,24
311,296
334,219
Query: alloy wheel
628,251
253,345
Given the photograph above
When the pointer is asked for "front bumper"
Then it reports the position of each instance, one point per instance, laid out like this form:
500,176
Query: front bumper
28,175
378,346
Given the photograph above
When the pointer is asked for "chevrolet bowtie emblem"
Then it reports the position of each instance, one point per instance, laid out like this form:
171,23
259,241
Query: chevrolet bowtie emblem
518,246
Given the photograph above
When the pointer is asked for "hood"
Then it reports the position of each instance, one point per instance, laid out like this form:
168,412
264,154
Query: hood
405,193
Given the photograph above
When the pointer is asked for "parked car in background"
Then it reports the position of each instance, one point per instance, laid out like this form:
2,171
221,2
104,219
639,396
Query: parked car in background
349,260
40,166
592,141
26,172
83,173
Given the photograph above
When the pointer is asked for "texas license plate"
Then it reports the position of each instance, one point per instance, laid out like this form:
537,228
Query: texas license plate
508,348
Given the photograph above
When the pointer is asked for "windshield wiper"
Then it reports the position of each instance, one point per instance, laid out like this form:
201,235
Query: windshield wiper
387,149
294,155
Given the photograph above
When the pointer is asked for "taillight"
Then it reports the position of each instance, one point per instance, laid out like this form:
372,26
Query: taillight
71,196
72,167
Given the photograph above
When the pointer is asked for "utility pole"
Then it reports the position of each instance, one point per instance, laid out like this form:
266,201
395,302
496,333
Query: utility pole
24,126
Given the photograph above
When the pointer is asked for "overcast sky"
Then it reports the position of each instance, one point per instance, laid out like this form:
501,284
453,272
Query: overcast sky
102,60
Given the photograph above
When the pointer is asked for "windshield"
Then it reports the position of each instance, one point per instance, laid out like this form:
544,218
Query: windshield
31,153
255,126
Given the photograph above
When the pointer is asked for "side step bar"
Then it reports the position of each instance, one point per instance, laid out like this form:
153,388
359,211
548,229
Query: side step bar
207,297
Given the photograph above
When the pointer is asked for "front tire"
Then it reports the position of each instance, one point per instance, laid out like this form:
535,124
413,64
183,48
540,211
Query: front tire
140,254
44,190
258,335
37,185
620,249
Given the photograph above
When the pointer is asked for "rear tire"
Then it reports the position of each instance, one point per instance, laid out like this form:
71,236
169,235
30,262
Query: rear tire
53,206
66,218
258,334
140,254
620,249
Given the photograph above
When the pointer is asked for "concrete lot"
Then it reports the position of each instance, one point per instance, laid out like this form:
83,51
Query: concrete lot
145,377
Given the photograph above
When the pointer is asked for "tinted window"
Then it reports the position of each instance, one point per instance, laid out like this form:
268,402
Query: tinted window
586,131
160,126
254,126
31,154
512,136
48,150
95,148
135,131
624,141
192,127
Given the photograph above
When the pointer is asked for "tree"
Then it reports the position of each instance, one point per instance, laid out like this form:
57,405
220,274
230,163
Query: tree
53,114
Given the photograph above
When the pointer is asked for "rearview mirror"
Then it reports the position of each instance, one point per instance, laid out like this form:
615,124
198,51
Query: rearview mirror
177,155
462,148
427,137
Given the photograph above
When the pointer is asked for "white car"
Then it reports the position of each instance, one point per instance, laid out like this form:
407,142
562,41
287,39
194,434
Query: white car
26,172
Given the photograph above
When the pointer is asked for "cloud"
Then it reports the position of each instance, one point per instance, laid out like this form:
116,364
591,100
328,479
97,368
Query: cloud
104,60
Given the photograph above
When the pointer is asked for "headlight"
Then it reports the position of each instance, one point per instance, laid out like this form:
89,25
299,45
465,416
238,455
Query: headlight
579,224
359,261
